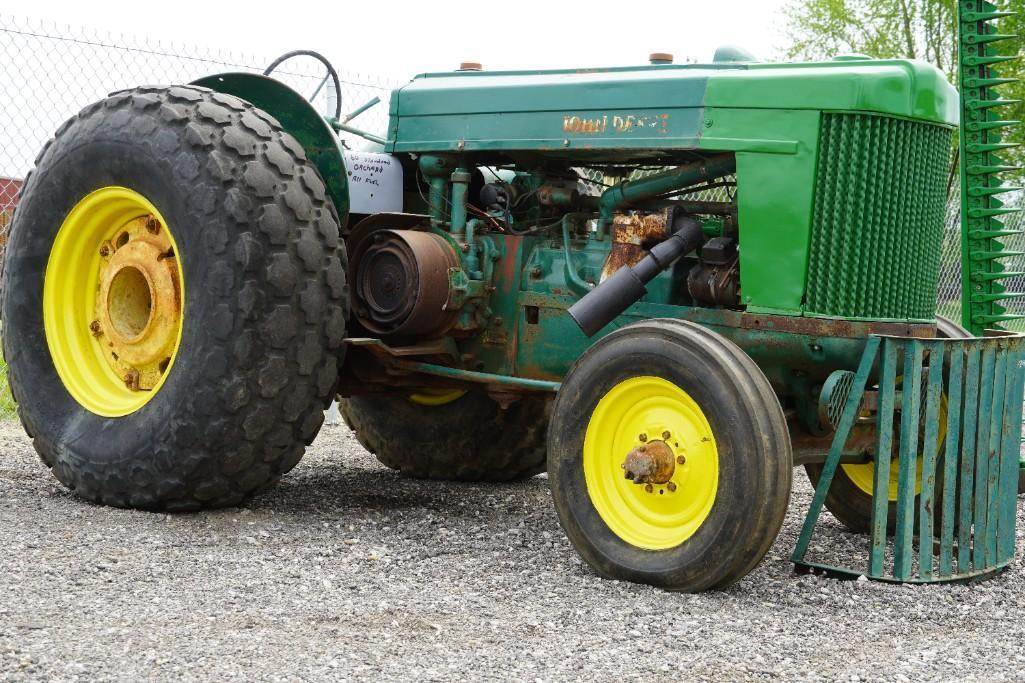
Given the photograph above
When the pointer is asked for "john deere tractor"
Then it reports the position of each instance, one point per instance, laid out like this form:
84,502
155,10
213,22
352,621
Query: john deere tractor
654,282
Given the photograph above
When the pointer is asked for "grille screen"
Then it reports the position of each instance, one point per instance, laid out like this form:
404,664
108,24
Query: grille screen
877,225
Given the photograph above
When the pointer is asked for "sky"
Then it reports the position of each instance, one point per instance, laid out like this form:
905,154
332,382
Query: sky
403,38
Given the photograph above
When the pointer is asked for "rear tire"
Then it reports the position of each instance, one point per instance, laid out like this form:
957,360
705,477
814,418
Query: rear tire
470,438
262,313
705,398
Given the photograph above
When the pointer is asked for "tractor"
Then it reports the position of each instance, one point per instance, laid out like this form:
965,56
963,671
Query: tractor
653,282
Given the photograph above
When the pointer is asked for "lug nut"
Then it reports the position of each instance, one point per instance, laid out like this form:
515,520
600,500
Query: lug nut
665,435
132,379
95,328
680,459
671,486
104,251
649,488
642,437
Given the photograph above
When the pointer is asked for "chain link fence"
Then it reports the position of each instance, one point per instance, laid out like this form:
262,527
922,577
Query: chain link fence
51,71
949,286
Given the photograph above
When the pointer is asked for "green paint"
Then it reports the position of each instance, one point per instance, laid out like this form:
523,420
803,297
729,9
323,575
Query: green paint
878,219
991,394
980,68
298,117
896,87
776,211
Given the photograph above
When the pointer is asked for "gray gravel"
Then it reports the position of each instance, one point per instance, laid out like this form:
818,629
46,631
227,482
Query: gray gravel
346,571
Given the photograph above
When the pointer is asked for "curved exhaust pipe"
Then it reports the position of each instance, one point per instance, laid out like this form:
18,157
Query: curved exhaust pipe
604,303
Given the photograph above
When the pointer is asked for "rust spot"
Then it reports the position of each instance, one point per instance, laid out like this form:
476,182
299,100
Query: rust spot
651,463
827,327
632,236
513,245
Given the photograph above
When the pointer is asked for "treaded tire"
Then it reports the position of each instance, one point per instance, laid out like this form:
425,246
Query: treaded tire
265,300
754,454
469,439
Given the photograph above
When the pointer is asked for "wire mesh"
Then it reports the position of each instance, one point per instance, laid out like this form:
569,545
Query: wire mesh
949,285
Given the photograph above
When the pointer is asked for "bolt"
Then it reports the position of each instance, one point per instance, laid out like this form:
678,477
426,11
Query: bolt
665,435
132,379
95,328
104,251
642,448
643,437
649,488
680,459
671,486
153,225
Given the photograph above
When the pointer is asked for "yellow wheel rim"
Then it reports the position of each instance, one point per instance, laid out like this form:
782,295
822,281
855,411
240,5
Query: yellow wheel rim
863,475
113,301
658,415
435,396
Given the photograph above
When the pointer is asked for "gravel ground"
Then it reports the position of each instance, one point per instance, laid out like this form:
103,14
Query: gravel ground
346,571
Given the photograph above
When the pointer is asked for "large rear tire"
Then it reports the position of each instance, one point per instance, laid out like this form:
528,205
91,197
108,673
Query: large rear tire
460,436
669,457
194,374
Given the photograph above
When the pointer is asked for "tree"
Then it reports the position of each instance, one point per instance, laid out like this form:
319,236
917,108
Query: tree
915,29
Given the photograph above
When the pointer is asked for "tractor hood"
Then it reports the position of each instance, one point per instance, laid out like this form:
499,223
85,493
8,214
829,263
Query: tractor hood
655,107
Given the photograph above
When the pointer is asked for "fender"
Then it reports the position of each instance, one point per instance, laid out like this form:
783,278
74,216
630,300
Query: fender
301,120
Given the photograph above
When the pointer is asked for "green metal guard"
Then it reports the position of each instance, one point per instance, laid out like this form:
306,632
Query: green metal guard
965,507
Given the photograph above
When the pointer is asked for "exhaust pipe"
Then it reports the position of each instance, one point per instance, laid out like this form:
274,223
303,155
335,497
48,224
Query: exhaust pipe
609,299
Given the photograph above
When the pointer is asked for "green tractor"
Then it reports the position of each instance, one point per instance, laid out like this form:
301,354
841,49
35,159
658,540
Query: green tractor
654,282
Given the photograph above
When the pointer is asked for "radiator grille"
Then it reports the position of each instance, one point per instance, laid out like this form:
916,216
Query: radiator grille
877,225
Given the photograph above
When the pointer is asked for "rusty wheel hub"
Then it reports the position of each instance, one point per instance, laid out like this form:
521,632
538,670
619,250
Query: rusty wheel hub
652,462
138,310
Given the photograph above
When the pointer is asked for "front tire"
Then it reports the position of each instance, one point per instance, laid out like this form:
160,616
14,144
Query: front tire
672,391
229,404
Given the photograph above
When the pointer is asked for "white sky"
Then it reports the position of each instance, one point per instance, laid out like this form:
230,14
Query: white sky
404,38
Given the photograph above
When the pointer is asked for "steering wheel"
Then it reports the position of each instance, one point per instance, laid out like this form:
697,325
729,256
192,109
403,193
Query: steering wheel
331,73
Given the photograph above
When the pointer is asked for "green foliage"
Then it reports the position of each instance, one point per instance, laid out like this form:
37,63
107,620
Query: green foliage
915,29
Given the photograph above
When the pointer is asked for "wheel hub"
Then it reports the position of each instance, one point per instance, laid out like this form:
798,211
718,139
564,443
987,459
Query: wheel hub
650,463
138,307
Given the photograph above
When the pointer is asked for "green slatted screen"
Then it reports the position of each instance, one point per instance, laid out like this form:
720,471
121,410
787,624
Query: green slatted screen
877,230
